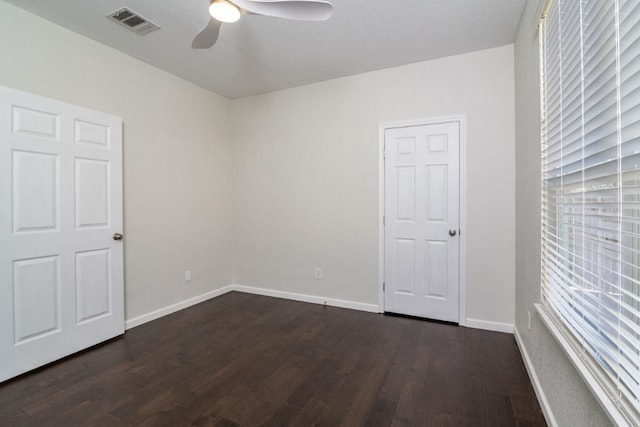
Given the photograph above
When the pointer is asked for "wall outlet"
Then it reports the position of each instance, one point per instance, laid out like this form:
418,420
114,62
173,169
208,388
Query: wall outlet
528,320
187,275
318,273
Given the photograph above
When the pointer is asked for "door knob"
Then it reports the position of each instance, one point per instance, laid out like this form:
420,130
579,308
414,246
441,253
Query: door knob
117,236
452,232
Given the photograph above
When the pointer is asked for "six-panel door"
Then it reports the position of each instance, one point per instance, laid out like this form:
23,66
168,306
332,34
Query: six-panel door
61,273
422,220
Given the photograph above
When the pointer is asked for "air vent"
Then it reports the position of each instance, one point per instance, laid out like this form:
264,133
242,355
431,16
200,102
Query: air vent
133,21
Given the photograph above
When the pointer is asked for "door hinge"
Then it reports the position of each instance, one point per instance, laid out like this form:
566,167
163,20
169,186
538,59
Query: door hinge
383,286
384,222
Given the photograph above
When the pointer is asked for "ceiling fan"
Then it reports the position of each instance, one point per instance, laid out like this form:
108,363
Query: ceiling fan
231,10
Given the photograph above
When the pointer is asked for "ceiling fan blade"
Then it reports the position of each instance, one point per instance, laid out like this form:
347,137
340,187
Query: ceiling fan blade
303,10
208,36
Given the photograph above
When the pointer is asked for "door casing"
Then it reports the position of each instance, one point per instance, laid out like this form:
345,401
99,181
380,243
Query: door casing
462,266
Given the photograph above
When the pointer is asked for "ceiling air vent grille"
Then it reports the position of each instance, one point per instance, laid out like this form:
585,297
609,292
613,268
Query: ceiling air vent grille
133,21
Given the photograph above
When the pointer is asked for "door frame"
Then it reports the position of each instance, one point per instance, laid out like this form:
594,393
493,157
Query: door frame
462,266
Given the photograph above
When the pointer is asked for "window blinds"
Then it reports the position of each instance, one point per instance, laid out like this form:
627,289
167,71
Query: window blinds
591,185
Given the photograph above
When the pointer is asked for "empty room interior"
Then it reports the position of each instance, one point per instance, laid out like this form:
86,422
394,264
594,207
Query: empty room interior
314,212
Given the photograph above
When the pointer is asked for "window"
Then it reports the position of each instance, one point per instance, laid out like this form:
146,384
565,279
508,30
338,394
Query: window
591,188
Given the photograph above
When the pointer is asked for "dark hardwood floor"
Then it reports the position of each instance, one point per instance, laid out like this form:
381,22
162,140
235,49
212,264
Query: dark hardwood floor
246,360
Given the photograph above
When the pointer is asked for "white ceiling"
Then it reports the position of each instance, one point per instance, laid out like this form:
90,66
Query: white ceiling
260,54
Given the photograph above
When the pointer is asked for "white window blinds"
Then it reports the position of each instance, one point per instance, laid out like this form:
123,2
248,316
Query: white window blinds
591,186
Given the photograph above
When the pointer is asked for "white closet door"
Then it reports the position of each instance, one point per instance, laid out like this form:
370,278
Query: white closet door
422,203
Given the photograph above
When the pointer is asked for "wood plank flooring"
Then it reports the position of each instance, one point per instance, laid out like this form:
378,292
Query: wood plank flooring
247,360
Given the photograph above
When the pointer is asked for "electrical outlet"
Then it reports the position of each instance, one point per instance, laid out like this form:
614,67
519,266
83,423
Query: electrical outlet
318,273
187,275
528,320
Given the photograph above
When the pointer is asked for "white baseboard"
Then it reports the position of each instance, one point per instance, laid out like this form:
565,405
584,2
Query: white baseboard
372,308
537,387
488,325
334,302
156,314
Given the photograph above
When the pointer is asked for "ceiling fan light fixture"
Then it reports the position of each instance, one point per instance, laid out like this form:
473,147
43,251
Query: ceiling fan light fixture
224,11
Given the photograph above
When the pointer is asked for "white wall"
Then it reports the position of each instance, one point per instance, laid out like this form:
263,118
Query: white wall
571,403
305,177
177,176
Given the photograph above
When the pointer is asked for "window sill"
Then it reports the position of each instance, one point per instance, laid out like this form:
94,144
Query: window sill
609,405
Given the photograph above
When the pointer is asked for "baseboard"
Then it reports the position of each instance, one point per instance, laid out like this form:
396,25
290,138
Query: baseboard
537,387
488,325
334,302
372,308
139,320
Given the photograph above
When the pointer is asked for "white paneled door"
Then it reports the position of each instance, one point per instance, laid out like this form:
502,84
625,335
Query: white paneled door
61,272
421,249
